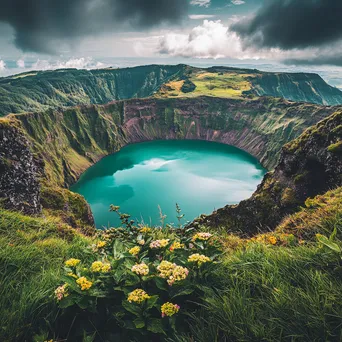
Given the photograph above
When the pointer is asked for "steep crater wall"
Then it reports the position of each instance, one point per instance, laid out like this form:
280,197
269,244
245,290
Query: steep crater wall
69,141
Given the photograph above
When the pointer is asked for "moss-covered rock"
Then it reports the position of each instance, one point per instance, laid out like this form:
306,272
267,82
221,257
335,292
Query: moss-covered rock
306,169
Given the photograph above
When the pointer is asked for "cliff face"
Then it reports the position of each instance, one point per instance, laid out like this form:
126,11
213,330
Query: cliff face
296,87
41,90
69,141
19,170
309,165
23,177
37,91
72,140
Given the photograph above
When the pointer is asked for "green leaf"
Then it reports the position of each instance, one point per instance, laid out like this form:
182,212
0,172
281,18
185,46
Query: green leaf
139,323
184,292
333,235
131,307
161,283
326,242
118,248
68,301
155,325
151,302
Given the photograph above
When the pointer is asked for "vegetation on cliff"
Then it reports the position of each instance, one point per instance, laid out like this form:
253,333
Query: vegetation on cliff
41,90
308,166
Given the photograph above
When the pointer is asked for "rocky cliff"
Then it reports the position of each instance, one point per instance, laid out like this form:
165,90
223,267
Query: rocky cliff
71,140
299,87
19,170
309,165
41,90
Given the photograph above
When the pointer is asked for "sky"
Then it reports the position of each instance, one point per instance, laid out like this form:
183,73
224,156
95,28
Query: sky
283,35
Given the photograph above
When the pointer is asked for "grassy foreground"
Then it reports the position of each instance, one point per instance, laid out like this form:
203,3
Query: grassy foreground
281,286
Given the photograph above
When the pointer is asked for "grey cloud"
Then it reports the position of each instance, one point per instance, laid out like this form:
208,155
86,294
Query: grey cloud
290,24
38,24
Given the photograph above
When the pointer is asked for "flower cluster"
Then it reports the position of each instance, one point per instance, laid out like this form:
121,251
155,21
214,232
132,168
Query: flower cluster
61,292
159,243
179,273
198,258
145,230
272,240
172,272
201,236
99,266
176,245
72,262
140,269
168,309
141,242
165,269
135,250
84,283
101,244
137,296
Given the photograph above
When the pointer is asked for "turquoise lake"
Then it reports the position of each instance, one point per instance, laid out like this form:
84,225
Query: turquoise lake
198,175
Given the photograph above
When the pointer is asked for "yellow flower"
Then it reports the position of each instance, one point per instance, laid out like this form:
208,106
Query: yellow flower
168,309
179,273
61,292
137,296
72,275
201,236
145,230
176,245
101,244
106,268
165,268
99,266
84,283
72,262
172,272
140,269
159,243
141,242
198,258
134,250
272,240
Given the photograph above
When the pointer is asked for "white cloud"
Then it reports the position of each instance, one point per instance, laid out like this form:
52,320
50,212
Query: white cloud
201,16
20,63
2,65
201,3
213,39
210,40
78,63
237,2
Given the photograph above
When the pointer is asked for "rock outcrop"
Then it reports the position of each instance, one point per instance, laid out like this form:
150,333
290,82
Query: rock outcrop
19,170
309,165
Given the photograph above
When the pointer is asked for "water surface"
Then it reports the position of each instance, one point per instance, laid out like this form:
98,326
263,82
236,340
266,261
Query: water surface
200,176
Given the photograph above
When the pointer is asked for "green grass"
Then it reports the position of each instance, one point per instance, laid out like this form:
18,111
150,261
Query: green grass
223,85
32,252
272,294
258,292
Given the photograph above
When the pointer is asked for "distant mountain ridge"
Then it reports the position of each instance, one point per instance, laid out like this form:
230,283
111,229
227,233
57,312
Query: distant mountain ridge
41,90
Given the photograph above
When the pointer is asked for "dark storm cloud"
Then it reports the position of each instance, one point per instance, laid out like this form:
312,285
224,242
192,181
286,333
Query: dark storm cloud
319,60
38,23
289,24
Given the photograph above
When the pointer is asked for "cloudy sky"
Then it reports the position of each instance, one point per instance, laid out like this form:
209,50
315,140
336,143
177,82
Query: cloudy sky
287,34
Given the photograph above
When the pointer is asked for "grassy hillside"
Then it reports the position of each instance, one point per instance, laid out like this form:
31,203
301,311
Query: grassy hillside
40,90
282,286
